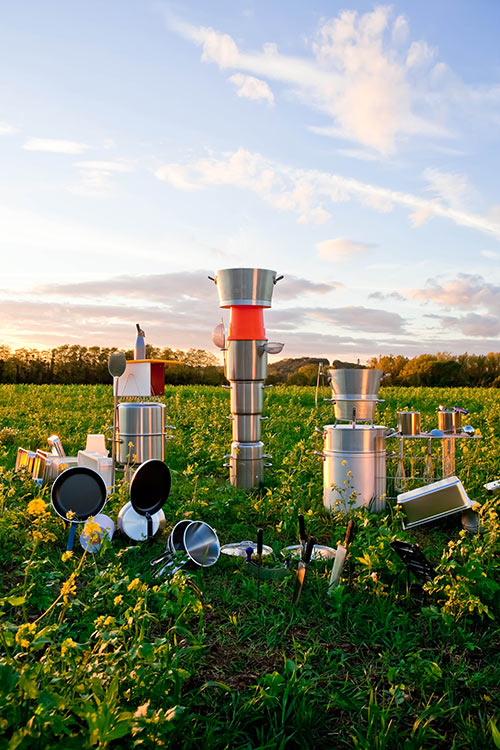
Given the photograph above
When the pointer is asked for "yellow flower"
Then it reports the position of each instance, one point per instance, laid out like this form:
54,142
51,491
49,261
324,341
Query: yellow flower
37,507
92,531
344,463
135,584
25,634
70,515
66,555
68,588
66,646
118,600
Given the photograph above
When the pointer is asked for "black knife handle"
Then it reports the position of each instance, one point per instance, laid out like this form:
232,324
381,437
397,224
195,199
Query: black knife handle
349,532
309,549
260,541
302,528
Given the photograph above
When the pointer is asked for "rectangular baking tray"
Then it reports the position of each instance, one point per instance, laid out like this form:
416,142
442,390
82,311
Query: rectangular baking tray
433,501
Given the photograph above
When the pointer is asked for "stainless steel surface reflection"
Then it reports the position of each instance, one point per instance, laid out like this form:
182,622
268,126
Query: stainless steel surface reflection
201,544
245,286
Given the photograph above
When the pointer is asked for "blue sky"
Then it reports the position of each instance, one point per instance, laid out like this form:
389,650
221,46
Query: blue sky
352,147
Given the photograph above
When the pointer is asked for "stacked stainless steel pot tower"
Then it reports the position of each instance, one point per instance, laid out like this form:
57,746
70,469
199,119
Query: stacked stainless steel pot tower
354,455
246,292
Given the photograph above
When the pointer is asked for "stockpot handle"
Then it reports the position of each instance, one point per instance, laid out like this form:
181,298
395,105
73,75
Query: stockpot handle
170,427
225,386
266,455
277,278
331,400
213,278
263,417
267,466
320,454
267,386
227,466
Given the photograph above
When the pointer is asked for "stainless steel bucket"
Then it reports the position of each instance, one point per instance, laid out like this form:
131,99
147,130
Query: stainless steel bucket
246,474
245,286
246,360
355,383
361,439
409,422
247,397
141,429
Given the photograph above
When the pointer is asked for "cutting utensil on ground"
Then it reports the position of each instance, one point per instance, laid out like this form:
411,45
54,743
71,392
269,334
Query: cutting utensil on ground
301,570
340,556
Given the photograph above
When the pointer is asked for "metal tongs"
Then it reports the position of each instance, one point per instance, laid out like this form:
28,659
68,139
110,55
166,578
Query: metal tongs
169,562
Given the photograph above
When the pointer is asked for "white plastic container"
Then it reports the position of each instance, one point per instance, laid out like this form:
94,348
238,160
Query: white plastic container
99,463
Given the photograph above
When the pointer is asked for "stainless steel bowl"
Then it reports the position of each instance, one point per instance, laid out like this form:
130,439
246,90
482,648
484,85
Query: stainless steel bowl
135,526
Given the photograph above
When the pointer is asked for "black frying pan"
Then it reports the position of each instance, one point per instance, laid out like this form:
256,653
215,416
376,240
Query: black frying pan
81,491
150,488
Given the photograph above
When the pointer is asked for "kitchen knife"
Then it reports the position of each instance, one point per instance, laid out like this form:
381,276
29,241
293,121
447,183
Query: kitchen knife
301,570
340,556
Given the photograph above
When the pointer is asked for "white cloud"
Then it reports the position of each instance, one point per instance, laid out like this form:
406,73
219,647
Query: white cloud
249,87
465,292
491,254
452,188
55,146
340,249
307,193
6,128
357,75
96,176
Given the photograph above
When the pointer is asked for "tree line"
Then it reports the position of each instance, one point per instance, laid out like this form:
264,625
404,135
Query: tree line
89,365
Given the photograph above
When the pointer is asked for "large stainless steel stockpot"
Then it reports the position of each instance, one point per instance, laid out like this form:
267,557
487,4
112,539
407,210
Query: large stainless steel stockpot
245,286
141,429
247,397
246,427
246,474
247,451
409,422
246,360
355,383
354,466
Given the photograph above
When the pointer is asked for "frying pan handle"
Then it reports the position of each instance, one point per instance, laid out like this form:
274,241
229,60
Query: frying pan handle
71,537
150,525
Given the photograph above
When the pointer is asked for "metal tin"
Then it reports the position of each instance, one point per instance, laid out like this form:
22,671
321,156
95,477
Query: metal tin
245,286
409,422
246,427
135,526
246,360
143,426
433,501
247,397
355,383
449,420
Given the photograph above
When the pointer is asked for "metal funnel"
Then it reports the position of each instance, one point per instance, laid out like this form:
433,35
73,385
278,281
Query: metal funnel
201,544
355,383
245,286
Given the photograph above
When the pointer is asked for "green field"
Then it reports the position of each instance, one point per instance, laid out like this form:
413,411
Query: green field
97,653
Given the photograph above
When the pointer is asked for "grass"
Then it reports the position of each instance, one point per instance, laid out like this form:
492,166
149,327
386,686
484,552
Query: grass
97,653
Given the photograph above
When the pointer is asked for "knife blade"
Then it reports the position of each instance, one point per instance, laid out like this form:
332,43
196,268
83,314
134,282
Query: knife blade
302,534
301,570
340,556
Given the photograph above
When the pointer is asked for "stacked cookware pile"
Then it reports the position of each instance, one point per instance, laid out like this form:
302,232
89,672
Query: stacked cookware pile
246,292
354,454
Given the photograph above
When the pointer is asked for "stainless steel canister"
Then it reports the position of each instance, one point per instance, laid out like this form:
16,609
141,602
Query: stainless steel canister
245,286
246,427
141,429
246,360
409,422
354,466
247,463
247,397
449,420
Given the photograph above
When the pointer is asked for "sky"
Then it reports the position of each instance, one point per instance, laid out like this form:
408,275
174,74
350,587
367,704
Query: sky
350,146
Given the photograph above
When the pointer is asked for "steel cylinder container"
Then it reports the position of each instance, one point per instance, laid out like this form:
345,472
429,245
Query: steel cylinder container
246,360
409,422
246,428
141,429
246,474
245,286
449,420
247,397
354,466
